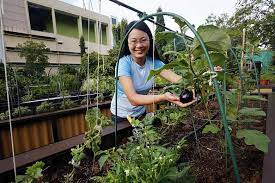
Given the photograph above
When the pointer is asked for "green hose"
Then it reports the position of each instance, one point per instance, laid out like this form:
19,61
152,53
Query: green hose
218,93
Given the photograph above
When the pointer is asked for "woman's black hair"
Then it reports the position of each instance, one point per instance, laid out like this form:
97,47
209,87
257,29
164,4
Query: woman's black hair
143,27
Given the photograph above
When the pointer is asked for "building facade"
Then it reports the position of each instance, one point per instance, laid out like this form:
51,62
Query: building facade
59,25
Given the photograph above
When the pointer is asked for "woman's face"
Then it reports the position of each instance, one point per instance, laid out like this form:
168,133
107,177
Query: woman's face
139,43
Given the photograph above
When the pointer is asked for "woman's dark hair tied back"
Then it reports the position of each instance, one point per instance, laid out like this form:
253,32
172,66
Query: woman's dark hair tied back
143,27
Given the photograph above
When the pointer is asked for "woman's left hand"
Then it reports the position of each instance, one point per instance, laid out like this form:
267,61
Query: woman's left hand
183,105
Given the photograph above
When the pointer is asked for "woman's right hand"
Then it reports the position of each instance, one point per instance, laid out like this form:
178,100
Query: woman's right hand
171,97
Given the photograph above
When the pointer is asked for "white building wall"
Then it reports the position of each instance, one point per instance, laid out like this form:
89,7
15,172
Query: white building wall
16,20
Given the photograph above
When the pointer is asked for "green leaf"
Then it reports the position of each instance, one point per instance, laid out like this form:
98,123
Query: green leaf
249,121
217,59
35,170
173,53
20,178
200,66
213,128
231,112
179,22
102,160
251,112
134,122
166,36
214,38
254,137
173,64
174,175
254,97
231,97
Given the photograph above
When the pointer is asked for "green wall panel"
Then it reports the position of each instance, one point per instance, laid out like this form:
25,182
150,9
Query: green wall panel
66,25
49,27
104,34
85,30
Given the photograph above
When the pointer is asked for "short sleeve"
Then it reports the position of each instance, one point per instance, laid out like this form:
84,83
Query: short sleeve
124,67
158,64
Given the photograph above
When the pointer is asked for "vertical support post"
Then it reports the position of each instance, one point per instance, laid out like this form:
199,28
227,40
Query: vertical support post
243,47
97,38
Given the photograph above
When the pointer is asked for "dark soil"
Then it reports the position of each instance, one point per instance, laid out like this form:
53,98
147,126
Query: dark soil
60,169
209,160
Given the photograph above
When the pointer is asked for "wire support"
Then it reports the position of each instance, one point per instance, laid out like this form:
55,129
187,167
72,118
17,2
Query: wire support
7,87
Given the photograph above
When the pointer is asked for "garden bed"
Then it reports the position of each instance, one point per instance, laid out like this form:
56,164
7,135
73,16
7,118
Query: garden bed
205,153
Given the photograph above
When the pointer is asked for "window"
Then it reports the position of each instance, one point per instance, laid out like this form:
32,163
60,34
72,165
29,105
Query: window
40,18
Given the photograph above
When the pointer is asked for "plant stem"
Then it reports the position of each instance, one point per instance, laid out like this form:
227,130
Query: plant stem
197,141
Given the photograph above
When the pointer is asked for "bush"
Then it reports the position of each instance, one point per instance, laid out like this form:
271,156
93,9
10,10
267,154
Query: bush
105,85
24,111
3,116
67,104
3,90
27,98
45,107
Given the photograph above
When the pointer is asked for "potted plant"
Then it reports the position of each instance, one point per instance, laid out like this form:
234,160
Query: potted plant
268,76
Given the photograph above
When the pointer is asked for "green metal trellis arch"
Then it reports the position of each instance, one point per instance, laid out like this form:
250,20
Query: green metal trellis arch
217,91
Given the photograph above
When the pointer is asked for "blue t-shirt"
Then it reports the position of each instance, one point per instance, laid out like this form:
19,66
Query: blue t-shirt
138,74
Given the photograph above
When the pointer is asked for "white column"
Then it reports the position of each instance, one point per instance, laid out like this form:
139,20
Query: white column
27,16
80,31
54,22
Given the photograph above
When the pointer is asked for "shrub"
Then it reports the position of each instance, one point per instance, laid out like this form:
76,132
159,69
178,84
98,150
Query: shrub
67,104
45,107
24,111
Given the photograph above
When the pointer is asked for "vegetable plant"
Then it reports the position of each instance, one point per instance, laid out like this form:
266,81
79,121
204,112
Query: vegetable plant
96,121
33,173
143,159
241,116
191,62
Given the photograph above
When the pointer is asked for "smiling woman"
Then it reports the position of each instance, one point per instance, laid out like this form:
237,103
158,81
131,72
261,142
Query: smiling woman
135,63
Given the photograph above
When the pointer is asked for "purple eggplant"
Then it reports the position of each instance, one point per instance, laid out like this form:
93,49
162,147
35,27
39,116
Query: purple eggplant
186,96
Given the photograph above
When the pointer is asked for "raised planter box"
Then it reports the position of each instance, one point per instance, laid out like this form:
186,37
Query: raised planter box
27,158
43,135
39,130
